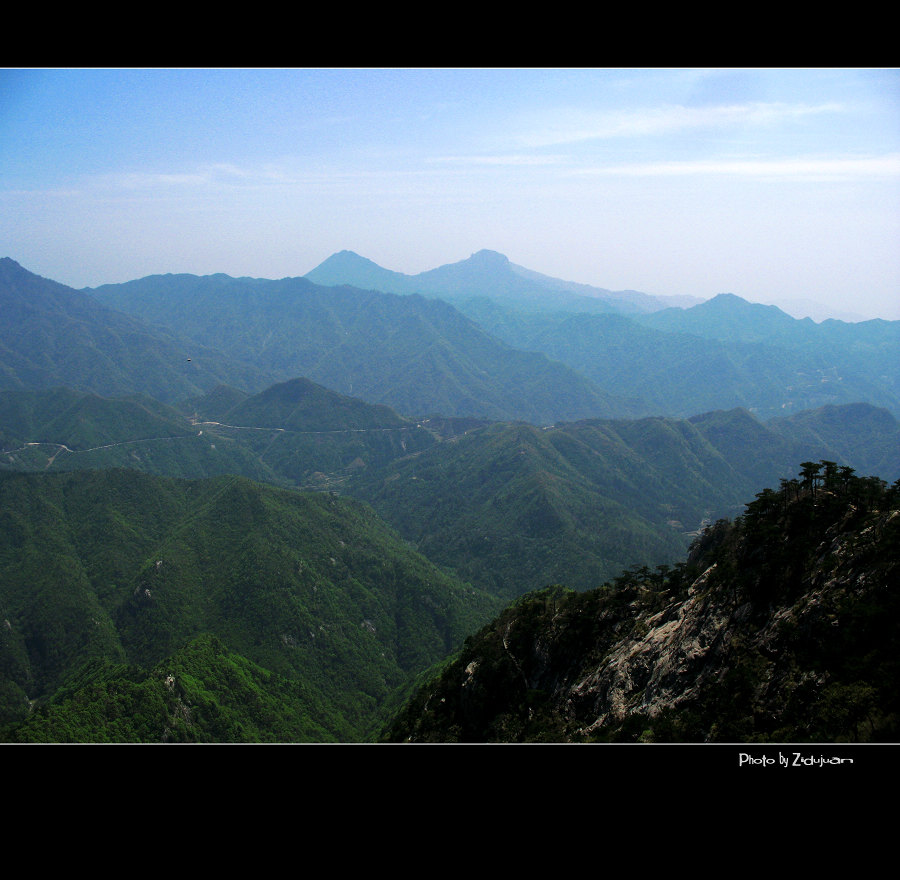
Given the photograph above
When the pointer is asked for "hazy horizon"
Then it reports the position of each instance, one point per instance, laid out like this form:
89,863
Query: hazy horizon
775,185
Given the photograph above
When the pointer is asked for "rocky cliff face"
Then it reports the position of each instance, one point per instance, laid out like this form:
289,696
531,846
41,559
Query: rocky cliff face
780,627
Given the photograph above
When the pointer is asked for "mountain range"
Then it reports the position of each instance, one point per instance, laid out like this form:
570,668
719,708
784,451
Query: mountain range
471,434
419,356
507,506
490,274
647,348
422,356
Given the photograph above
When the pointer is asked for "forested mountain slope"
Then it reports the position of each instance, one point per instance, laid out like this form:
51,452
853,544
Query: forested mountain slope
718,355
203,693
308,436
52,335
864,435
63,430
783,626
126,568
292,434
514,507
82,419
509,506
419,356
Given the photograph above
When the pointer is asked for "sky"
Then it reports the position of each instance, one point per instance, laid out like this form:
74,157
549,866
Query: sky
778,185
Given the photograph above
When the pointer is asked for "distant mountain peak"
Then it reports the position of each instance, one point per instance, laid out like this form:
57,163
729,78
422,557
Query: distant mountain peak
727,299
733,301
489,258
348,267
483,265
347,258
11,269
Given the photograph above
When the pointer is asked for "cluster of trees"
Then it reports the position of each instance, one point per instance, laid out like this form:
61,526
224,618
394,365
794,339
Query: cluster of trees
823,485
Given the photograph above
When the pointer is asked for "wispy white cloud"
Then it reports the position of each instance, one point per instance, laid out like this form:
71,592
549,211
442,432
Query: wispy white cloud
800,167
574,126
142,180
511,159
212,175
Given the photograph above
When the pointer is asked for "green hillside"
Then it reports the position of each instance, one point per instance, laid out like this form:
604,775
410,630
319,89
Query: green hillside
293,434
513,507
63,430
214,404
83,420
506,509
203,693
124,567
858,433
509,507
301,405
307,436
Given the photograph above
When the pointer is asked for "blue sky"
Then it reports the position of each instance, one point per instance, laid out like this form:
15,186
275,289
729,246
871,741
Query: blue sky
772,184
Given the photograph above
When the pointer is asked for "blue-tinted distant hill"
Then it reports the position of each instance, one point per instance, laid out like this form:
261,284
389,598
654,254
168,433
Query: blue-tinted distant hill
491,275
718,355
856,361
674,357
867,348
52,335
419,356
730,318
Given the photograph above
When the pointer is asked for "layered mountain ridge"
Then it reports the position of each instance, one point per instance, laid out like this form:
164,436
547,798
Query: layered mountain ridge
424,357
485,272
502,429
418,356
